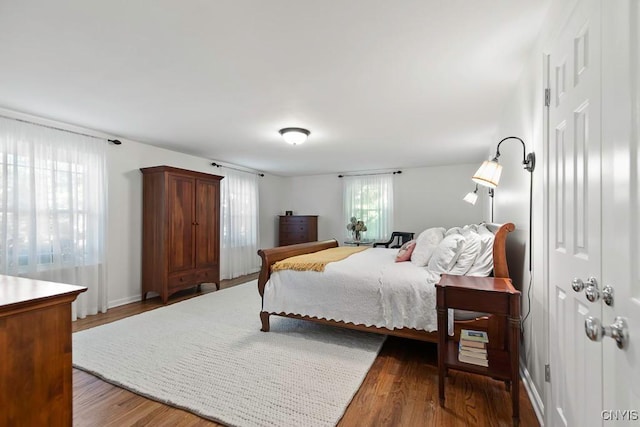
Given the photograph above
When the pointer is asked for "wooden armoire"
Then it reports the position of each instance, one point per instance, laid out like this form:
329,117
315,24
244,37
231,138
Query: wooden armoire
180,230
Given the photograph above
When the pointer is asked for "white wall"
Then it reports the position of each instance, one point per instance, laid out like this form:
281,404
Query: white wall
273,190
424,197
318,195
432,197
125,211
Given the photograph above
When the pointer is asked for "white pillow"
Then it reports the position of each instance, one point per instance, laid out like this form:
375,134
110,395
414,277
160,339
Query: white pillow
452,230
468,255
446,254
472,227
483,264
426,243
482,229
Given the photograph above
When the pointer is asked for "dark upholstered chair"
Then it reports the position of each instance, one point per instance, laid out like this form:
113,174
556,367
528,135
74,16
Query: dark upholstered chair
398,238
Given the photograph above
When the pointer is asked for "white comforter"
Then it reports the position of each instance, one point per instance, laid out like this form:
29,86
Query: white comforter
367,288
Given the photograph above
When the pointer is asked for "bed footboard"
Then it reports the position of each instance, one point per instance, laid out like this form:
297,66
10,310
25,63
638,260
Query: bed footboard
273,255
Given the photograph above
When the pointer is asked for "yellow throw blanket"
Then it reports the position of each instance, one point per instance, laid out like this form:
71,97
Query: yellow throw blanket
316,261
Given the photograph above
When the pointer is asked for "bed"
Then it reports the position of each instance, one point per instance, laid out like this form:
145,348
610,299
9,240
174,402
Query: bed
362,301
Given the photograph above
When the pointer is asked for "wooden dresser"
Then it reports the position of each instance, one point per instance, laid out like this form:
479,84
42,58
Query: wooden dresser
298,229
180,230
35,338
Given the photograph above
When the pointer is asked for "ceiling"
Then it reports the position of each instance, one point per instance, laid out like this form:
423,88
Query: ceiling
380,84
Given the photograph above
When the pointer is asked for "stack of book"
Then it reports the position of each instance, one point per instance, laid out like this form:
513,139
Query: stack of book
473,347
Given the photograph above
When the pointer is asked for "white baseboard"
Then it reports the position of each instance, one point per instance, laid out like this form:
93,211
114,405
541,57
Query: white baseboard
534,396
123,301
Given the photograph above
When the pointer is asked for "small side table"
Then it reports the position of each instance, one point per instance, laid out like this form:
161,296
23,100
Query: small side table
488,295
359,242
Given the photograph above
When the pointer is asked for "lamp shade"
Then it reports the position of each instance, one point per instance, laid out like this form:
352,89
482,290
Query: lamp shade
488,174
294,136
471,197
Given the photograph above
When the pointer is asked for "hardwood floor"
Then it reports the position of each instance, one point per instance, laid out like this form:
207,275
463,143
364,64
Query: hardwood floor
401,389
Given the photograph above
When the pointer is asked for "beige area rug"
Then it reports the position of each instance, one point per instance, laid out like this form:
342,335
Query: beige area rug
208,356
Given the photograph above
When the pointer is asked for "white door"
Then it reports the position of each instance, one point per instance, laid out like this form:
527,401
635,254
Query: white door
621,208
574,240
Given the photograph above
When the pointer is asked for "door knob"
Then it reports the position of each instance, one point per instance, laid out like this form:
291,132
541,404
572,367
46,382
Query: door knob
577,284
590,288
591,291
607,295
618,330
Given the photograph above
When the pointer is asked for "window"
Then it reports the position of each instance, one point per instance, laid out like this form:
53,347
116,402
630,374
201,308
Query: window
55,234
370,199
239,211
53,208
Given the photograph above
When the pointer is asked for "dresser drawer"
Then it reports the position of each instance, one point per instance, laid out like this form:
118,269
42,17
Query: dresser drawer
206,276
294,228
289,242
180,281
293,220
295,237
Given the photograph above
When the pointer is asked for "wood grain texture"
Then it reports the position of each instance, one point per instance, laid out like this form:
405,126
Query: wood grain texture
35,366
208,225
492,295
500,265
181,230
181,223
401,389
294,229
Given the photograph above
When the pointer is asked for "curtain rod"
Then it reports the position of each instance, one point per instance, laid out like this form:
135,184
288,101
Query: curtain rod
370,174
113,141
235,169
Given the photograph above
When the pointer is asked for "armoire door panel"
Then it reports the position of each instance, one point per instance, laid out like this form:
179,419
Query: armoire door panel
207,223
181,223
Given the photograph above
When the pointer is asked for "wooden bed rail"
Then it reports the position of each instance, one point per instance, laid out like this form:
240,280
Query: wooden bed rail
273,255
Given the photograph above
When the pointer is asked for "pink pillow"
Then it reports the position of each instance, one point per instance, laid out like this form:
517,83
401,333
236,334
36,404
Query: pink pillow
404,254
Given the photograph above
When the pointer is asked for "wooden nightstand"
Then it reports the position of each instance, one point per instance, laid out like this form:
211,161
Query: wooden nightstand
488,295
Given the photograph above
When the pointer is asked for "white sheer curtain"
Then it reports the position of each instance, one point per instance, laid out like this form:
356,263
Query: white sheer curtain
53,191
239,211
370,199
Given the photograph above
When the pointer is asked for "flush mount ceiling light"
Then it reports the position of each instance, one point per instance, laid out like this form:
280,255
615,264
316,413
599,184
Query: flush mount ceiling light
294,136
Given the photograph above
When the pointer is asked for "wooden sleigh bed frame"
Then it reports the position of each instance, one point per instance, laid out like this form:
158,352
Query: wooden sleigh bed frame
494,325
